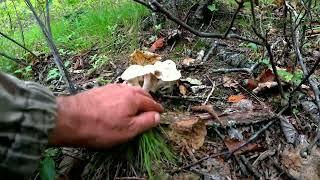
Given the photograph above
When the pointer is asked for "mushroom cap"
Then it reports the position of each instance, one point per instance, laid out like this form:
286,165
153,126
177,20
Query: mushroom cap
132,72
168,70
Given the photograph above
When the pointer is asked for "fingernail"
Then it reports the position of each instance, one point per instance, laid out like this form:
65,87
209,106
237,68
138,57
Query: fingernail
157,118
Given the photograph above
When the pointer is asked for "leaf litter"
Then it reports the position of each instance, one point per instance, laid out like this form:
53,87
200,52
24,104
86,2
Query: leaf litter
243,108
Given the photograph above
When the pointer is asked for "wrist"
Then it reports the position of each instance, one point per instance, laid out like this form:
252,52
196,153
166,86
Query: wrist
63,133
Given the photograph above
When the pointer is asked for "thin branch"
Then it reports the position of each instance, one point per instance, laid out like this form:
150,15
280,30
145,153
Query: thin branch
16,60
269,50
19,22
156,6
240,5
306,78
48,18
54,50
313,84
17,43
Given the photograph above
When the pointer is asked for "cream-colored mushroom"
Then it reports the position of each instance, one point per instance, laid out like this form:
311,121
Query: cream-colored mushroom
150,79
133,74
159,74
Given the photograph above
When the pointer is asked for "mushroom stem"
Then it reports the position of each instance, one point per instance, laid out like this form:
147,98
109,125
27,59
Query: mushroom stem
147,84
134,82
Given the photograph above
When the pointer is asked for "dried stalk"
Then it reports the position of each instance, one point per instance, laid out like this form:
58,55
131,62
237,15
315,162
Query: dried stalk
156,6
54,50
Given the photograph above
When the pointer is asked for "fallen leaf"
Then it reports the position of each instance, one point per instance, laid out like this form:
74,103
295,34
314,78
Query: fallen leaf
233,144
300,167
264,86
266,76
193,81
200,55
236,98
190,132
158,44
250,83
183,90
187,61
144,57
288,130
228,82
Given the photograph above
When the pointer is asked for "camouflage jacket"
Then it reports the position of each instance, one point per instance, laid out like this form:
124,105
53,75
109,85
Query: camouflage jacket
27,115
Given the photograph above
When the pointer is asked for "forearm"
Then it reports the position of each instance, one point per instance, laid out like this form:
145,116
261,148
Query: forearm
28,113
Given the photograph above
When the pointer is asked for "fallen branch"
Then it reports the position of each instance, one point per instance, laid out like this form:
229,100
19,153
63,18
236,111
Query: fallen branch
312,82
268,48
252,138
251,169
190,98
156,6
210,93
199,161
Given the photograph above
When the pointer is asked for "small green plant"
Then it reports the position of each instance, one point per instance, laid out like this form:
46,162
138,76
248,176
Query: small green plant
294,77
153,151
47,169
25,72
53,74
212,7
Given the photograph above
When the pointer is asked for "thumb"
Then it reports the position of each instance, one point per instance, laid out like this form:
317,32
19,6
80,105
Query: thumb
146,121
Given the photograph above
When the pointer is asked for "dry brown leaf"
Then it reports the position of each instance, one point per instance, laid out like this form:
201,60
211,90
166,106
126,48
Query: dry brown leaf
183,90
279,3
158,44
236,98
228,82
264,86
187,61
190,132
144,57
250,83
302,168
266,76
233,144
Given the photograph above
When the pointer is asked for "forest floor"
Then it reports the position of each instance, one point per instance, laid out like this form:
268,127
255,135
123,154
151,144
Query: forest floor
225,118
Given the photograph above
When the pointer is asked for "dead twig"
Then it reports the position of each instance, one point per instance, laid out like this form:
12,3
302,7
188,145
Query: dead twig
268,48
282,170
190,98
210,51
252,138
247,70
53,48
210,93
209,109
131,178
297,45
199,161
156,6
251,169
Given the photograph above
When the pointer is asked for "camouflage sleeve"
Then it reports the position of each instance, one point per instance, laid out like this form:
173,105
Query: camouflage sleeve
27,115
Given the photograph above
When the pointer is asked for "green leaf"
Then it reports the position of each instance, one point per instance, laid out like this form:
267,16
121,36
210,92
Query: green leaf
53,74
265,61
252,46
297,77
47,170
285,75
212,8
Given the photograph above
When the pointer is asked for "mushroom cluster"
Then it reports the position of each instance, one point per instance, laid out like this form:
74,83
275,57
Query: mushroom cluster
151,77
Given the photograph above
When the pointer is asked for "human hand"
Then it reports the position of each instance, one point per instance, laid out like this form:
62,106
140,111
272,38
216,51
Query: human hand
104,116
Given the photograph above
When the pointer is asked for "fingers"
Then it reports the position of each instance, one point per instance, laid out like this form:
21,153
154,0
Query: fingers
146,121
148,104
141,91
